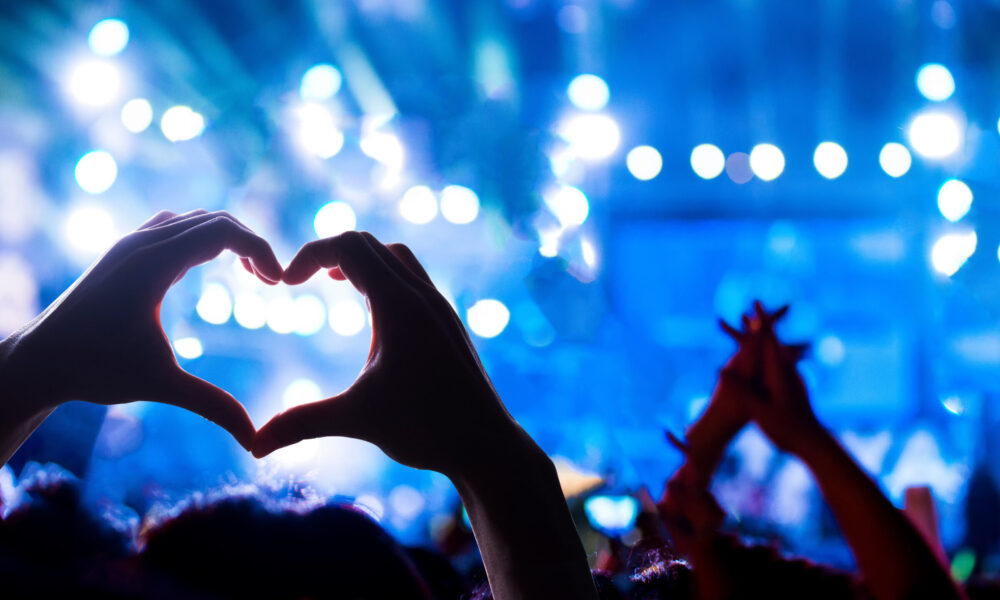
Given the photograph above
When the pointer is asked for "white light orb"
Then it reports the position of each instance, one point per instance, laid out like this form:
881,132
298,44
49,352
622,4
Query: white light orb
644,162
935,134
406,502
316,130
588,252
137,115
707,161
591,136
250,310
281,317
954,199
96,171
181,123
215,305
334,218
895,159
487,318
935,82
459,204
310,315
568,204
588,92
951,251
320,82
299,392
418,205
347,317
90,229
189,348
386,148
830,160
767,161
108,37
94,83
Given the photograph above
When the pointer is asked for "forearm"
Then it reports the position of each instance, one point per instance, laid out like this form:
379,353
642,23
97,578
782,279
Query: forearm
526,536
893,557
19,417
707,439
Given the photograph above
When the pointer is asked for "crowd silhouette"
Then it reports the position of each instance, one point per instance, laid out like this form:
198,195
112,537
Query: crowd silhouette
424,398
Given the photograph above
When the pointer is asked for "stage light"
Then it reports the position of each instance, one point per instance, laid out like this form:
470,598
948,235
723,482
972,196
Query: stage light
180,123
644,162
830,351
738,167
588,92
707,161
347,318
588,252
568,204
281,316
250,310
935,82
310,315
317,132
954,199
459,204
334,218
215,305
572,19
895,159
934,134
830,160
96,171
189,348
548,242
406,502
951,251
385,148
94,83
137,115
767,161
90,229
418,205
487,318
591,136
299,392
108,37
612,515
320,82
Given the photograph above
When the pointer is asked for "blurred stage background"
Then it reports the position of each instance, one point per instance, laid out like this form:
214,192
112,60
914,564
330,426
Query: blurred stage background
591,183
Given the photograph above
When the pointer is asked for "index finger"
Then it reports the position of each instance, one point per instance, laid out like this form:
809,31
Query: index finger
349,252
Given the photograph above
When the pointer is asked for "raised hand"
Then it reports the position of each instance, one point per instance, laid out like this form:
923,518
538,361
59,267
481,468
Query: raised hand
101,340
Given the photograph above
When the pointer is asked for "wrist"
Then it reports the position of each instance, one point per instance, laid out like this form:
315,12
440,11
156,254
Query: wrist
22,385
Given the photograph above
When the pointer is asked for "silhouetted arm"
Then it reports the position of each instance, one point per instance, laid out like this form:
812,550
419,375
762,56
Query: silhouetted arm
424,398
101,340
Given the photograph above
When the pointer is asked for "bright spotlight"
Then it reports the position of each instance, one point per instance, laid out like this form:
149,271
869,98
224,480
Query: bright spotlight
180,123
299,392
459,204
487,318
830,160
951,251
767,161
94,83
215,305
385,148
707,161
250,310
310,315
613,515
189,348
418,205
320,82
568,204
96,171
588,252
935,134
644,162
347,318
588,92
954,199
935,82
334,218
108,37
591,136
90,229
895,159
317,131
137,115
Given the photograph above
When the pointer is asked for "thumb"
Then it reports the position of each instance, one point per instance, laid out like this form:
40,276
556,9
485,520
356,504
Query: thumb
213,403
330,417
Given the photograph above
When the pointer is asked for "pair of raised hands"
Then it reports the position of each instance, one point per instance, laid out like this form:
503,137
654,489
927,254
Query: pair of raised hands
423,396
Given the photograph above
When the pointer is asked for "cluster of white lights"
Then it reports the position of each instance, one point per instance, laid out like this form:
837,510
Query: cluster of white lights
181,123
588,92
590,136
96,171
954,200
458,204
334,218
320,82
569,205
487,318
951,251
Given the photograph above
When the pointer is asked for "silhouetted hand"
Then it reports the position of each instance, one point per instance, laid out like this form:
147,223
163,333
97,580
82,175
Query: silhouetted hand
423,396
101,341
